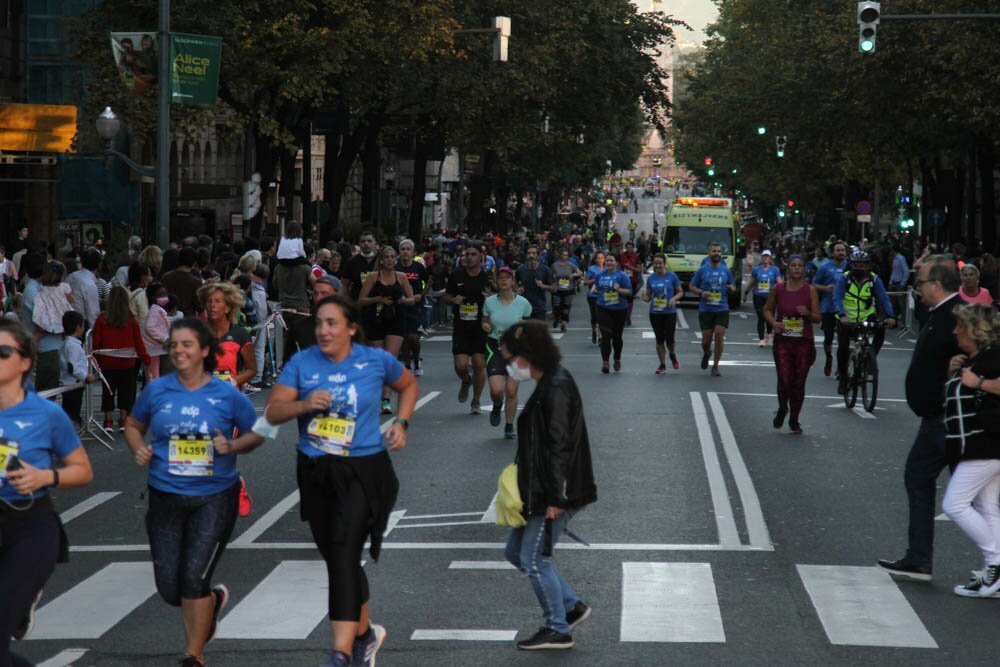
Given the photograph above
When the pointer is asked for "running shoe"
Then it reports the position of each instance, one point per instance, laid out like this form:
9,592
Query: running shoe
779,418
828,366
418,367
27,623
221,594
246,502
661,369
474,408
605,368
495,414
618,365
121,425
191,661
715,371
593,337
367,645
973,588
109,425
675,362
250,389
336,659
463,392
578,614
704,360
508,432
546,638
796,427
555,324
761,343
386,407
562,328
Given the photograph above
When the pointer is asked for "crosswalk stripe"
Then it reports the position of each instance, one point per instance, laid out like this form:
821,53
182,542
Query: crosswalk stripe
87,505
464,635
64,658
299,585
97,603
670,602
862,606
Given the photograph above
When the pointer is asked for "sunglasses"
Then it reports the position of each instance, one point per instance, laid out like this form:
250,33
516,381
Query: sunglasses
7,351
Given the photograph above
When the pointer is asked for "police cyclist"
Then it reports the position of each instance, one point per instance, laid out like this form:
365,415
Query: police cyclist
854,298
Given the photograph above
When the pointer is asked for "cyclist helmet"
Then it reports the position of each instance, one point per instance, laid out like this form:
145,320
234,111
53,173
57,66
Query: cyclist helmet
860,256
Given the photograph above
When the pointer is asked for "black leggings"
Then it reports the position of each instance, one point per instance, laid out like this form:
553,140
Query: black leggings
30,548
664,327
348,584
592,304
187,535
612,324
122,381
561,303
758,304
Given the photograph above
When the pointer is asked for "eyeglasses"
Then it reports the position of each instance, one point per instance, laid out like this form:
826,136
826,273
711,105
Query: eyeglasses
7,351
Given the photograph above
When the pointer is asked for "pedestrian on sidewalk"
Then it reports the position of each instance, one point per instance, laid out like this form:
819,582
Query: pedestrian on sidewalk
555,477
938,282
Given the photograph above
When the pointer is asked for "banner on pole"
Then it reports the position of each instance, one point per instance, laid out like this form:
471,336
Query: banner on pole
195,61
135,57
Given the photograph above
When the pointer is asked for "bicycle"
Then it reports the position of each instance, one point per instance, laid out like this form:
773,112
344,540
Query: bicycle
862,367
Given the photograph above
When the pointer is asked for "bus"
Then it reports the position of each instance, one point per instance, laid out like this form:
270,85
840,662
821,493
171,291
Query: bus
694,222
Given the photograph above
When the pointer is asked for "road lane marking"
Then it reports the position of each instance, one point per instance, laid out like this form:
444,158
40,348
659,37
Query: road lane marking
435,546
826,398
670,602
862,606
752,511
480,565
464,635
861,412
288,604
64,658
682,322
87,505
724,521
97,603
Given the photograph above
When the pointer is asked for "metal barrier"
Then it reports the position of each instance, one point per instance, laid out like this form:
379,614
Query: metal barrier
909,306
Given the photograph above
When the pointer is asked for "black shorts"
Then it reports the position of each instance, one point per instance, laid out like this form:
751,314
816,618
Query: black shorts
664,326
468,339
711,320
829,324
495,365
411,319
377,328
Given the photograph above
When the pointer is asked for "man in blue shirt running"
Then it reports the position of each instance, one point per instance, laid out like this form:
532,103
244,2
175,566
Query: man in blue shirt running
712,284
825,280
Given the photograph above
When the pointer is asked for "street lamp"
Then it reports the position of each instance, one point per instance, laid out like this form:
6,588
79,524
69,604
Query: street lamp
108,126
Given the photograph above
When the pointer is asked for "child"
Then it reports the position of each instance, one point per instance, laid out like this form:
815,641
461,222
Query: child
73,364
53,299
291,250
172,313
156,328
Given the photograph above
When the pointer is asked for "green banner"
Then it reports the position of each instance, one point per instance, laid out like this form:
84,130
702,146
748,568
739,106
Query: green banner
195,61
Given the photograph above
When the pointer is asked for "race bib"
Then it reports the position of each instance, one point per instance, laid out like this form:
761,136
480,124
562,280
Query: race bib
660,303
364,276
8,448
191,455
564,283
611,298
713,298
468,312
793,327
764,286
331,434
225,376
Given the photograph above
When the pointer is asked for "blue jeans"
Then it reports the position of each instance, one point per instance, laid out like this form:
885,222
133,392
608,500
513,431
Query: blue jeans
524,551
923,465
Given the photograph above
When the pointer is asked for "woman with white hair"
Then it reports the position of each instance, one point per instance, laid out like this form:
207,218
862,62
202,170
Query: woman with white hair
247,264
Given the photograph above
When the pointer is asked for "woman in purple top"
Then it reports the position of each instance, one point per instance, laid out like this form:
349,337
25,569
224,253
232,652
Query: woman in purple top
792,308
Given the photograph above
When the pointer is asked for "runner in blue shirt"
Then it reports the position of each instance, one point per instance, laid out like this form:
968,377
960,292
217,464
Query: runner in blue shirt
194,486
35,433
612,289
347,485
663,291
593,272
825,281
712,283
763,278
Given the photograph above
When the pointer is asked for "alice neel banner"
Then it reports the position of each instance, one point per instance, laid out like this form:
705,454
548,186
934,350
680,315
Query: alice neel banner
195,61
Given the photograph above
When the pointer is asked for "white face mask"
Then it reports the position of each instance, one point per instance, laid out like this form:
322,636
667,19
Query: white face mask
515,372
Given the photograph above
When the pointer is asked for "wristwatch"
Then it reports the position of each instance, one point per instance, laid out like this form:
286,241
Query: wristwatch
400,420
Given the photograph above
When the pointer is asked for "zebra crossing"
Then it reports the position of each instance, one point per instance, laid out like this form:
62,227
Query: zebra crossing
661,602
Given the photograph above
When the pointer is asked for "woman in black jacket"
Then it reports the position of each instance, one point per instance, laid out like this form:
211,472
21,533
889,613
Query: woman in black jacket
972,416
554,476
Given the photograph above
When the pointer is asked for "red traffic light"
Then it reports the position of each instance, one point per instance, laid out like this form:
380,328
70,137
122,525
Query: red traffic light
791,203
708,161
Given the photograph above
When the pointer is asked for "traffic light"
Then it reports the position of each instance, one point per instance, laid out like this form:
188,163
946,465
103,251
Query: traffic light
779,144
906,223
781,211
251,197
761,130
791,204
502,26
711,171
708,162
869,16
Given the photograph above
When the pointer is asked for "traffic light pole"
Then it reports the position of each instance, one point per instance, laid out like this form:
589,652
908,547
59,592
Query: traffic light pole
163,131
938,17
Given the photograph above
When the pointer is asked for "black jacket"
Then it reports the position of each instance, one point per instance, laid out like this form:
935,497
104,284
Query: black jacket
971,416
553,451
928,369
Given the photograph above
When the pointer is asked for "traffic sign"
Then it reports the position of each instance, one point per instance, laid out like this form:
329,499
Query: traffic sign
863,217
936,218
863,207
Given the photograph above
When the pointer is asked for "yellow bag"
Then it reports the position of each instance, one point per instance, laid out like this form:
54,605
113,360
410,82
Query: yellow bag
509,501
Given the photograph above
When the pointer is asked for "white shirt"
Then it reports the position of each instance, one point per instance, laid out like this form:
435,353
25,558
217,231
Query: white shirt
71,356
85,299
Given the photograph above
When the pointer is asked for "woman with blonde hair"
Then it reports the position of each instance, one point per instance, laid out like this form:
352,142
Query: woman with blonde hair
117,329
152,256
222,302
248,263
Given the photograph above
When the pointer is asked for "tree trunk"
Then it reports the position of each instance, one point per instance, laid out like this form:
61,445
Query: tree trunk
987,193
415,228
341,151
371,190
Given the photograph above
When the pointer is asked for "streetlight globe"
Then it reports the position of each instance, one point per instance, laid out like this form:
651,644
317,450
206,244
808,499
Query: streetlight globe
107,124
